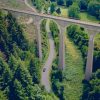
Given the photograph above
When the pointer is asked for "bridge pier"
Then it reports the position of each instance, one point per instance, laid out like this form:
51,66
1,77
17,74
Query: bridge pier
89,63
61,49
38,37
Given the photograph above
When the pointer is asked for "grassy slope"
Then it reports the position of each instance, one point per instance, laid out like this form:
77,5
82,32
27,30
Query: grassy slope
73,72
29,29
97,40
84,16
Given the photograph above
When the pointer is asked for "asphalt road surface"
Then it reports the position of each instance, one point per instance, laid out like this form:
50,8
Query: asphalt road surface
45,80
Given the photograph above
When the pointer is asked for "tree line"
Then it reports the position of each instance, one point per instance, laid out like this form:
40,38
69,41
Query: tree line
75,6
92,7
80,37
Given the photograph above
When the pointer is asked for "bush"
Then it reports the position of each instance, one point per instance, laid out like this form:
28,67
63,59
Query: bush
73,11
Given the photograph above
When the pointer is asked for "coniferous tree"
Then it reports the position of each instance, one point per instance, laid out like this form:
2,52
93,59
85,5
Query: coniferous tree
5,74
18,91
73,11
34,70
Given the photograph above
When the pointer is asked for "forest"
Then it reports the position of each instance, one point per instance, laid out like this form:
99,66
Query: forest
19,64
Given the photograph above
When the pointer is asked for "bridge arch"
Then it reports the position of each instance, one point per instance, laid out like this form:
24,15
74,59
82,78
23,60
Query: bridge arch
62,22
61,47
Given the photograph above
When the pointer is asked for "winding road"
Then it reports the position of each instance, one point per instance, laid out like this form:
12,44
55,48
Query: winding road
45,75
45,80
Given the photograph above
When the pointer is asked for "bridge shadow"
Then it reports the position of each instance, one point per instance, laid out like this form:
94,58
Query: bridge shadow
86,89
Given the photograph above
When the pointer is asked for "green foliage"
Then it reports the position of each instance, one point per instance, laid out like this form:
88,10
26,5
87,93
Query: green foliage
5,74
19,65
73,11
52,7
19,92
34,69
96,60
38,4
92,89
95,86
94,8
73,72
13,28
23,75
45,44
2,96
83,4
69,2
58,11
56,79
56,74
11,34
55,33
60,2
90,7
79,37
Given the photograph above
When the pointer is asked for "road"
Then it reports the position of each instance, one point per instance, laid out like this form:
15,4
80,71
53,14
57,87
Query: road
45,80
45,77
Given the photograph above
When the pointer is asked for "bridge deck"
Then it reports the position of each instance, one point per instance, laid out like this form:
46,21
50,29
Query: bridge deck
92,26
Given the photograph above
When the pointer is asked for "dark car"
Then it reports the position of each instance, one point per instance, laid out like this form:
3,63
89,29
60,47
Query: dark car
44,69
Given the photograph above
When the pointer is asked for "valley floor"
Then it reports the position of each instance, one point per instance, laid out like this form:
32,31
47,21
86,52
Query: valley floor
73,73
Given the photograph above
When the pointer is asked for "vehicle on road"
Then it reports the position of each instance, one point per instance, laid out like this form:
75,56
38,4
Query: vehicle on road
44,69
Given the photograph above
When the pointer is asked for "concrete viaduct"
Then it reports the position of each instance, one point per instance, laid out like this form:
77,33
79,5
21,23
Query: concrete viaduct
63,23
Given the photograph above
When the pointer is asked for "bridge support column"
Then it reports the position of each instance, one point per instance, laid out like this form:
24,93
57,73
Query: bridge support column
89,63
61,49
38,35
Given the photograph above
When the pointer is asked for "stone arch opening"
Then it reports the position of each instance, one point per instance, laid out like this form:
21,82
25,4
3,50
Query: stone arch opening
60,44
55,31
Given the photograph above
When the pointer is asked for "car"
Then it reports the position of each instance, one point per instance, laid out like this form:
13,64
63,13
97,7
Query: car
44,69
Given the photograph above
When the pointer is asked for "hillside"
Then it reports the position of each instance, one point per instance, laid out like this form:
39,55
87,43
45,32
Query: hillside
19,64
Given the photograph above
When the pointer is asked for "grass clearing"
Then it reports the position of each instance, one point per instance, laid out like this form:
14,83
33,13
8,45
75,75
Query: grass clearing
83,15
86,17
29,29
97,40
73,73
64,12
